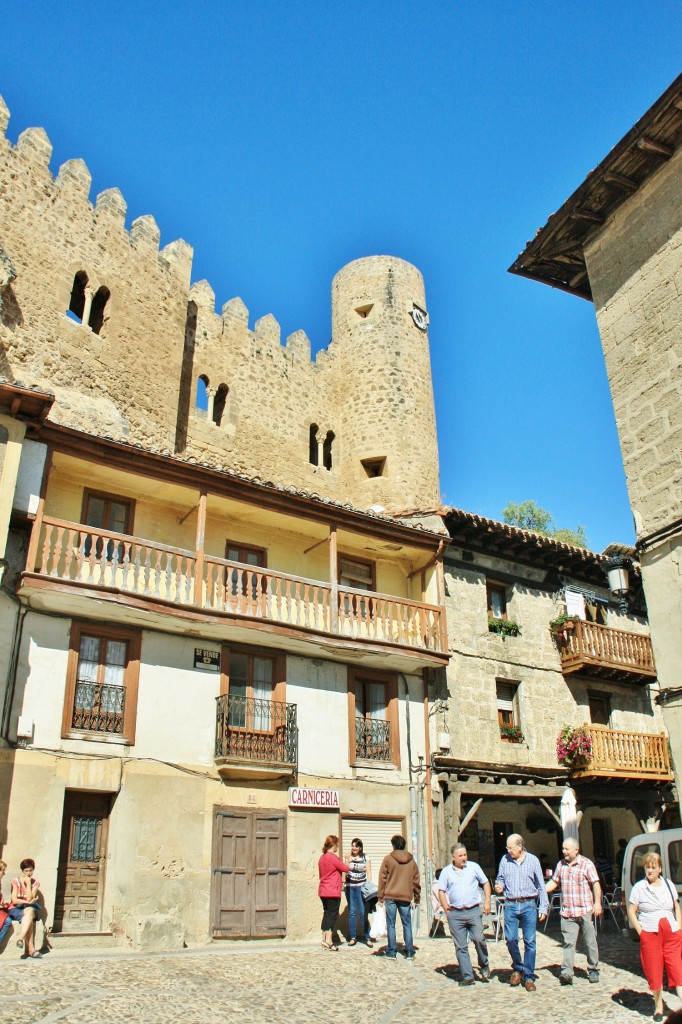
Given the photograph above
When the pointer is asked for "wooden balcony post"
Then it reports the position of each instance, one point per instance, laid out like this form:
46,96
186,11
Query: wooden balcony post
199,564
440,592
334,579
32,552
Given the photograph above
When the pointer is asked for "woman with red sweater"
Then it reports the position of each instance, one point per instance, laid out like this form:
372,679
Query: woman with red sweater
332,869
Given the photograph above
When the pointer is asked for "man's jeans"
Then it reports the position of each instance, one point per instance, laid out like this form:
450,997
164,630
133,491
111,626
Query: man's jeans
460,922
356,908
522,914
570,927
402,908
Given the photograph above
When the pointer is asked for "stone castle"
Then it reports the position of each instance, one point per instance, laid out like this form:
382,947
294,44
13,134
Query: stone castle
111,324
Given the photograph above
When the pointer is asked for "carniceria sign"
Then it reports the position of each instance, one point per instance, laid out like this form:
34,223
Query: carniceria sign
314,799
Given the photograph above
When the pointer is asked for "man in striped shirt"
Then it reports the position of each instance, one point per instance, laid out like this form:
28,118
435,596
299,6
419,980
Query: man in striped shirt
519,880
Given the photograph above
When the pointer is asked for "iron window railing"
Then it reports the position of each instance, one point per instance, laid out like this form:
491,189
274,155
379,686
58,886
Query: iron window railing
372,739
98,708
253,729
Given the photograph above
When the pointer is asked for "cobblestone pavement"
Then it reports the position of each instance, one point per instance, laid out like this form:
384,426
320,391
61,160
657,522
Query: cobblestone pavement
269,983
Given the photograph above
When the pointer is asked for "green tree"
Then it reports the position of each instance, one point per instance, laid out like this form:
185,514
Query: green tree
528,515
577,537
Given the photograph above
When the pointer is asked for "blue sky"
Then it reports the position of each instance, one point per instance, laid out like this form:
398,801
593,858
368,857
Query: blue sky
282,140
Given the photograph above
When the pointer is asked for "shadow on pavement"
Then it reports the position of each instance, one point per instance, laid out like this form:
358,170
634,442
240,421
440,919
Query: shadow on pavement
638,1002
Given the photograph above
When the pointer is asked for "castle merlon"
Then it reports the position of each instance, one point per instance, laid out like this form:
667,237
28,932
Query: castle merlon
33,146
267,331
4,117
34,143
75,173
144,231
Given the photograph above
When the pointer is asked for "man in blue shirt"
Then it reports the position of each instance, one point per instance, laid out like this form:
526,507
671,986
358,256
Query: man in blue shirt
459,886
520,881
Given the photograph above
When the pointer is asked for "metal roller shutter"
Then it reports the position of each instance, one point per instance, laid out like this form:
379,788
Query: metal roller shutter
375,834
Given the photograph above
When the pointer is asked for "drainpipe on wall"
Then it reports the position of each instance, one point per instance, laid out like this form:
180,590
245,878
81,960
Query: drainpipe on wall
414,825
11,681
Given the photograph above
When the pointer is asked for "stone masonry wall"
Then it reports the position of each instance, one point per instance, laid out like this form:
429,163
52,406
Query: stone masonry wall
546,699
635,268
137,378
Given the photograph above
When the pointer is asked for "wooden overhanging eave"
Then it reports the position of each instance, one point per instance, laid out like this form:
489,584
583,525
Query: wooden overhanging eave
24,403
555,256
486,537
129,458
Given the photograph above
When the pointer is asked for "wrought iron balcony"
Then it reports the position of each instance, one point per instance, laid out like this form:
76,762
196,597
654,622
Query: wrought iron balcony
69,553
372,739
606,653
619,754
250,730
98,708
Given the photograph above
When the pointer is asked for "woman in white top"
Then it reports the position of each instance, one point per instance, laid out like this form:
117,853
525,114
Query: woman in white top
654,913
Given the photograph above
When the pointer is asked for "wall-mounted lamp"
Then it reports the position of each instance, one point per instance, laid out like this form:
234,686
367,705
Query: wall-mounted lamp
617,571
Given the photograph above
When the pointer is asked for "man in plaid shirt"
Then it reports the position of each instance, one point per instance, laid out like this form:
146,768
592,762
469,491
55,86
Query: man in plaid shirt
580,902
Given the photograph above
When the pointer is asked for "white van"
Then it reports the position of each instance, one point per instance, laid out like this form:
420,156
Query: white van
668,844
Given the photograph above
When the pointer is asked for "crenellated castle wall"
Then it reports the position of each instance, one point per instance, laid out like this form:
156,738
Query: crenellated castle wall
135,374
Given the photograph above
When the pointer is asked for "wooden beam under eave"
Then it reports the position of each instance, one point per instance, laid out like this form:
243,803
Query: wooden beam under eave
614,178
651,146
494,790
589,215
470,816
551,811
578,278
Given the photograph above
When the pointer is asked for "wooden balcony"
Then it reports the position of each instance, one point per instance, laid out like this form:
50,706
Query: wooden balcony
606,653
628,755
122,567
255,737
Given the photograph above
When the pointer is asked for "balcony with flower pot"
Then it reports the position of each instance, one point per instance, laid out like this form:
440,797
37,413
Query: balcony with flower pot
602,651
595,751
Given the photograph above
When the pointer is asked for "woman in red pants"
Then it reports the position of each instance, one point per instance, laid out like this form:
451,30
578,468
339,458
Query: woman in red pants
654,913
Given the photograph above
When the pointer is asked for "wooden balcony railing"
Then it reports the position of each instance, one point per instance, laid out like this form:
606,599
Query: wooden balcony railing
606,652
253,729
634,755
74,553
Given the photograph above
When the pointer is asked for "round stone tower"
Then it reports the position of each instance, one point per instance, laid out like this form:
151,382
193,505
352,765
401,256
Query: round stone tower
388,450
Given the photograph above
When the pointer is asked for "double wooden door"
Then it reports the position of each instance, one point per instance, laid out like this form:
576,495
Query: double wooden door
82,857
249,885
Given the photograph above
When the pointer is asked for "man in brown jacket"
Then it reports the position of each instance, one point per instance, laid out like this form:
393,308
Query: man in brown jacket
399,888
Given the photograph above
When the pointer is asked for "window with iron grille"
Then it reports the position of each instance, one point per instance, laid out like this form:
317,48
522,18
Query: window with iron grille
101,689
253,721
374,719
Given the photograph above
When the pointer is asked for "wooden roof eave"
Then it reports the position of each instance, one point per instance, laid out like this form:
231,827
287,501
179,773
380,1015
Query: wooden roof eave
125,457
25,403
527,548
639,154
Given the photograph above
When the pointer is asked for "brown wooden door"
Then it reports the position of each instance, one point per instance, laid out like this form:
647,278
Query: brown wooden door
248,896
82,856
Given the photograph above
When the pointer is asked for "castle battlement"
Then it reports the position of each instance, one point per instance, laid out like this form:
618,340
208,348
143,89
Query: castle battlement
110,322
73,180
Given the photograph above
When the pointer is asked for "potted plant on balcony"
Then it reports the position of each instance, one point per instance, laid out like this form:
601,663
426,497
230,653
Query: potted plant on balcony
505,627
562,625
511,733
574,746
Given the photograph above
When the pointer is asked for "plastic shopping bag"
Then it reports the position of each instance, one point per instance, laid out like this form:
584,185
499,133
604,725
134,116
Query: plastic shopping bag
378,929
